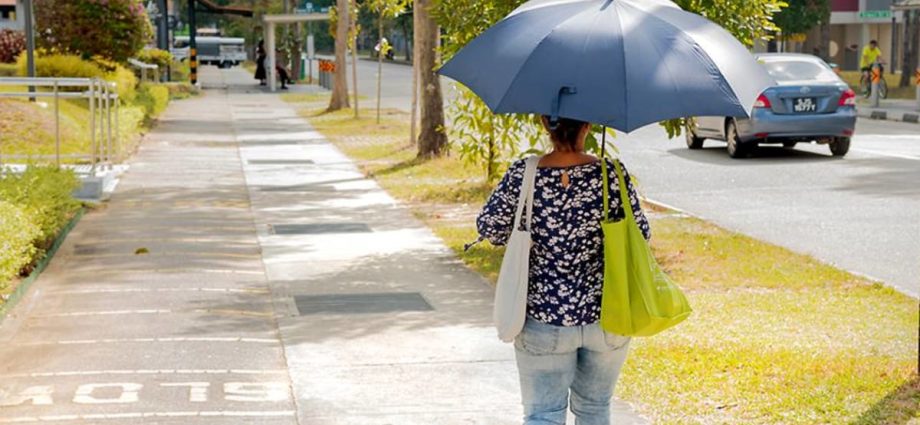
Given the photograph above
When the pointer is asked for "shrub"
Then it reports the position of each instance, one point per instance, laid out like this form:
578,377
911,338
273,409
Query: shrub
115,29
17,234
62,66
44,195
12,43
180,90
8,70
158,57
125,83
153,98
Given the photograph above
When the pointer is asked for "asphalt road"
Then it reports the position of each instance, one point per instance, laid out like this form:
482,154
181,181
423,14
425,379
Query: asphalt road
861,213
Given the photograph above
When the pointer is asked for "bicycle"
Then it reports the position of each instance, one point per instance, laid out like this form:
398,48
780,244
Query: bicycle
865,83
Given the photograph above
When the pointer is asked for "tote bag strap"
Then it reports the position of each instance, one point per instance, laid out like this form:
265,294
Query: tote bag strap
624,195
525,199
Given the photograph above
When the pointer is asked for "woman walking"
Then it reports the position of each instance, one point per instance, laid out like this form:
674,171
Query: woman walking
563,356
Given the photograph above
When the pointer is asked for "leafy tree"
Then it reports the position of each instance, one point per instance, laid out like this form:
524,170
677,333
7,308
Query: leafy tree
802,15
385,9
113,29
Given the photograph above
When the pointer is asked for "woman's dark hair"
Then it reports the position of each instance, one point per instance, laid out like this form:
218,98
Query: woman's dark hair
565,131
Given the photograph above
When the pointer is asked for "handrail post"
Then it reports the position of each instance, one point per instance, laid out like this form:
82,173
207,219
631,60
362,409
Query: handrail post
57,126
108,123
118,150
92,125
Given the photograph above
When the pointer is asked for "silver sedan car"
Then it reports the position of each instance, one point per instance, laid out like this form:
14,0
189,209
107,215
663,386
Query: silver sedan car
809,104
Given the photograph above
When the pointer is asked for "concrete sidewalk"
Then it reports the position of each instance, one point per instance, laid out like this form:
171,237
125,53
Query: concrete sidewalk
903,110
383,324
280,287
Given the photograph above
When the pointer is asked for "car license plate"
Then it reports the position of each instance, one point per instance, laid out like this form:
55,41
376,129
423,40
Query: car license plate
805,104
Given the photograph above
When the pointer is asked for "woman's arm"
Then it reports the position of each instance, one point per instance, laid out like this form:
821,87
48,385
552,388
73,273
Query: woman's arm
495,221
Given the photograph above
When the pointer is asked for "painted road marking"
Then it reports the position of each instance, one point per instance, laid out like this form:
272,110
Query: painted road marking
158,311
141,415
130,392
893,155
132,290
134,340
145,372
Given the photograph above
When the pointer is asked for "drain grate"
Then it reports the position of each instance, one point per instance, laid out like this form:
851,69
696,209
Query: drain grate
361,303
319,228
300,188
280,161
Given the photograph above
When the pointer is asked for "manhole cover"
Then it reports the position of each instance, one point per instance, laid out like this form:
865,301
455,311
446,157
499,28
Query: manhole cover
361,303
279,142
300,188
319,228
280,161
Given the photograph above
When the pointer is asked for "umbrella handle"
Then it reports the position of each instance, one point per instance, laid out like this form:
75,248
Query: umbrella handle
554,111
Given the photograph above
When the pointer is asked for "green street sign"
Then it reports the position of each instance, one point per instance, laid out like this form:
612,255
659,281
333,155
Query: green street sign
875,14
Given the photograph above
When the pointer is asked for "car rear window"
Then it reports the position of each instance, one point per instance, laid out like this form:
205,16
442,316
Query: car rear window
786,70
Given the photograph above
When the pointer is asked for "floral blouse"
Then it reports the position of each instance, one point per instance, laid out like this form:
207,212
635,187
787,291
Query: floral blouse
567,257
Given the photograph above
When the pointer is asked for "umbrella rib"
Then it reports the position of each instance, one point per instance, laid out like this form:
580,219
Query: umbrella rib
623,79
731,90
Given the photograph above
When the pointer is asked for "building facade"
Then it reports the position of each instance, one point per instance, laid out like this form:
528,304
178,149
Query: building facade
11,15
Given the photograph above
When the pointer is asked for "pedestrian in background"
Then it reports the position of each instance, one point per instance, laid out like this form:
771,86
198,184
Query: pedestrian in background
563,355
260,63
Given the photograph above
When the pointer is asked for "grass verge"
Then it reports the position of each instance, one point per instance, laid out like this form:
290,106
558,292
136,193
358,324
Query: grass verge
894,92
776,337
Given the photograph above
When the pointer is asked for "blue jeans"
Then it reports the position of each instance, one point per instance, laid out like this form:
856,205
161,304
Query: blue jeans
558,364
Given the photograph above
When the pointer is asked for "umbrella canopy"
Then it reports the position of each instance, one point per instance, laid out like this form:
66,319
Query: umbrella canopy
621,63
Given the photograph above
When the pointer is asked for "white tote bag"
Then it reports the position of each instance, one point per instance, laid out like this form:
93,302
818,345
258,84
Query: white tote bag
510,309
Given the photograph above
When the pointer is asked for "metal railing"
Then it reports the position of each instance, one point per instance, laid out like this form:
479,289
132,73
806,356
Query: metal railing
103,109
143,66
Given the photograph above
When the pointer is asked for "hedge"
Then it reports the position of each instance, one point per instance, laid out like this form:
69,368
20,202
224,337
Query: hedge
154,98
17,236
73,66
44,195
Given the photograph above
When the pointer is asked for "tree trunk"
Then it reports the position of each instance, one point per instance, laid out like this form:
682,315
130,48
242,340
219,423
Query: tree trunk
432,140
295,52
405,28
354,64
911,58
339,98
825,46
380,54
414,112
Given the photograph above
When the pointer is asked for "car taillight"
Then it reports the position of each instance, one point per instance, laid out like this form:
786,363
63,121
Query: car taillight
848,98
762,102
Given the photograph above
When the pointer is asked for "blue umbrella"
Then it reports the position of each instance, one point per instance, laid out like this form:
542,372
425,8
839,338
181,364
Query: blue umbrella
620,63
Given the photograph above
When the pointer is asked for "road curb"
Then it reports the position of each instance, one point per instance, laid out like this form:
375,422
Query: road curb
889,115
40,267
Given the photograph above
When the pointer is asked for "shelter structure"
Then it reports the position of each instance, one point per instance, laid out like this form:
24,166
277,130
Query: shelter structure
270,22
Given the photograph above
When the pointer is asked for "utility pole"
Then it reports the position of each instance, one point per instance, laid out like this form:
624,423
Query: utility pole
163,33
30,42
192,44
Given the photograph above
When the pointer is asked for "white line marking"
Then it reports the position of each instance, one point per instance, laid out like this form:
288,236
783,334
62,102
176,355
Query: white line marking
104,313
146,372
893,155
134,415
132,290
144,340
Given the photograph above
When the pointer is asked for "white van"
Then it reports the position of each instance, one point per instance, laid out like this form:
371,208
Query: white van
221,51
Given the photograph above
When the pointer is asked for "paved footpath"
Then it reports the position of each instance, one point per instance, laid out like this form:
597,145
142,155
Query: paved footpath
281,286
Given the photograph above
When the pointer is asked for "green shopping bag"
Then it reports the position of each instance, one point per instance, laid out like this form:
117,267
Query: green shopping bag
638,297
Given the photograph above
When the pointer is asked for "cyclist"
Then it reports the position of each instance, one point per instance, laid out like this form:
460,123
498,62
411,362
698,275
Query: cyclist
871,55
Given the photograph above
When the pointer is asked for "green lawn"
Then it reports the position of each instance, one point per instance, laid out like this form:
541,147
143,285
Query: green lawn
776,337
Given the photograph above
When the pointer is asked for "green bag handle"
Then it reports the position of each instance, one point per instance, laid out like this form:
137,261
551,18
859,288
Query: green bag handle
624,196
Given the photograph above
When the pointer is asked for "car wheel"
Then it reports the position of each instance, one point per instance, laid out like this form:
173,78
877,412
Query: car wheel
789,145
840,146
693,142
736,149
